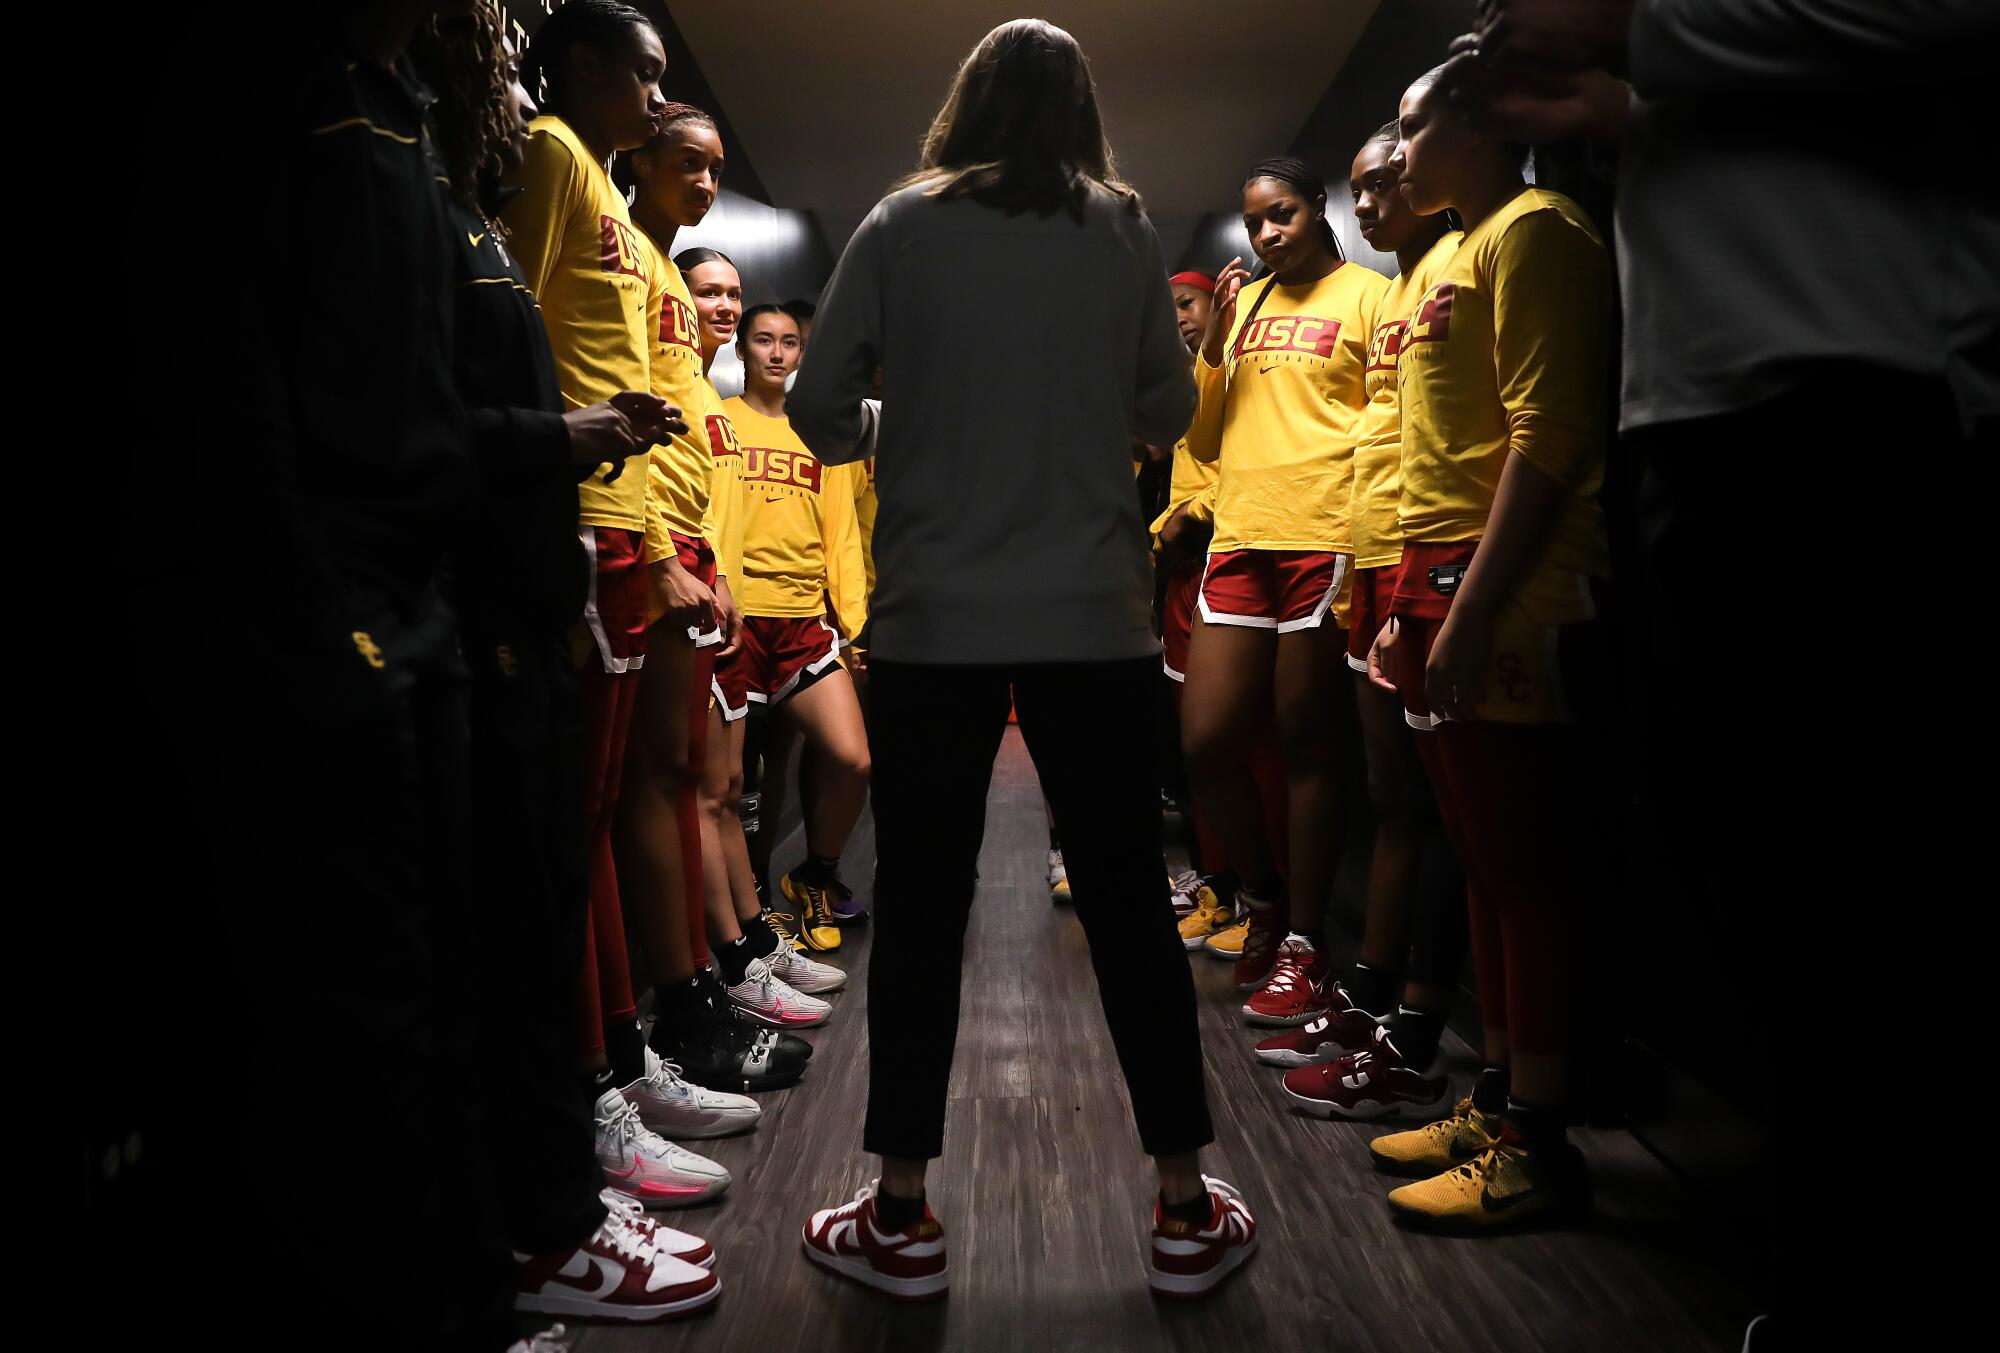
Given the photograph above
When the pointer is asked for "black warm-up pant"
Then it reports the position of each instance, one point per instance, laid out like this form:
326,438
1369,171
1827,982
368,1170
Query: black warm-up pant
933,732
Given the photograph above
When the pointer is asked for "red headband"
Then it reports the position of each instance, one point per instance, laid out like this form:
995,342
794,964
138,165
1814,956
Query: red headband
1201,281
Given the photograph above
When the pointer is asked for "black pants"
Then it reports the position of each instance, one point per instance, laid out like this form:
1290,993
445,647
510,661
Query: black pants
526,934
933,732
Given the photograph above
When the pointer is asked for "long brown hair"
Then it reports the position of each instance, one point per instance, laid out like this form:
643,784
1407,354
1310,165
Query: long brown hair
1020,129
462,58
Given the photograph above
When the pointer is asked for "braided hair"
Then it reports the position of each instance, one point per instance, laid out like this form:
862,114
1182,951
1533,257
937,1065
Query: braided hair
601,24
1302,178
463,58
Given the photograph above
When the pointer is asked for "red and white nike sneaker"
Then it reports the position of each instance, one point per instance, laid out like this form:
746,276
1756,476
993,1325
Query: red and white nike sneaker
1300,989
1188,1261
1334,1034
1373,1083
617,1274
682,1246
641,1164
765,997
850,1241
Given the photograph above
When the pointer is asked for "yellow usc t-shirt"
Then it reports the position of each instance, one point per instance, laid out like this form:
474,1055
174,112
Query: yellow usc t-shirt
801,536
1505,352
680,470
590,271
1192,486
722,524
1282,412
1378,486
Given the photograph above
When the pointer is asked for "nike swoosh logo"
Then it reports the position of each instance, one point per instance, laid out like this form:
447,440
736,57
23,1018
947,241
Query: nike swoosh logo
1267,370
1490,1203
473,239
607,1273
779,498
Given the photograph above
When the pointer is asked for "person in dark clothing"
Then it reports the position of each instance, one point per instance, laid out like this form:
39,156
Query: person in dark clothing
519,578
307,696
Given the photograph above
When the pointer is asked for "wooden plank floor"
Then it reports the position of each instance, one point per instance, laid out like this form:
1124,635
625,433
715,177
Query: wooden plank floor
1045,1197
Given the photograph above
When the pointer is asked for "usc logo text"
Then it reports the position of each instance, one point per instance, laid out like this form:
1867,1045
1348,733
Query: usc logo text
763,465
1289,333
619,251
1432,322
722,437
1387,345
677,324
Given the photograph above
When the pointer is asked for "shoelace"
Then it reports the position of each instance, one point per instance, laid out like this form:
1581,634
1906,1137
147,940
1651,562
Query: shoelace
1187,885
619,1232
780,921
819,910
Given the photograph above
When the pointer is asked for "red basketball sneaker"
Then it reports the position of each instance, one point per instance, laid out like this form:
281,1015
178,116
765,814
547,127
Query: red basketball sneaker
1372,1083
1189,1261
1260,942
850,1241
1334,1034
1300,988
621,1273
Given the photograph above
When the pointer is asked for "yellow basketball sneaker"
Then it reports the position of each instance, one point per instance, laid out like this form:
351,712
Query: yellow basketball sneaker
1505,1185
816,924
1210,916
1228,942
781,923
1440,1146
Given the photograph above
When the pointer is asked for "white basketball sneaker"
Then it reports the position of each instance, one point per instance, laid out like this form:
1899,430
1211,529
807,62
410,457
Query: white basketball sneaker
641,1164
679,1110
764,997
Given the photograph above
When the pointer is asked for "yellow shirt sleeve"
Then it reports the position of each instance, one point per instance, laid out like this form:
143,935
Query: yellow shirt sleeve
552,192
1204,434
846,573
1547,357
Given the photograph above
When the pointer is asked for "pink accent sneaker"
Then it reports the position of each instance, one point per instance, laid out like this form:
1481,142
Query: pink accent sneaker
1334,1034
620,1273
1189,1261
850,1241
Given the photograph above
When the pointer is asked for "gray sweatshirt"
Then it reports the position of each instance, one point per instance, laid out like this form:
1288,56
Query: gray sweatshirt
1020,357
1790,193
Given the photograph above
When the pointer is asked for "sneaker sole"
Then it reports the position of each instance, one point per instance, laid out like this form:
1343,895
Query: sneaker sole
652,1202
822,990
1264,1021
1326,1108
777,1080
605,1310
1198,942
1548,1217
1201,1284
1291,1060
860,1271
1415,1169
673,1132
769,1023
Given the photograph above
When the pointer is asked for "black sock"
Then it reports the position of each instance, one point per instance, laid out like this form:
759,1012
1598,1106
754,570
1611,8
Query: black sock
625,1046
735,958
1226,885
1489,1092
761,940
678,1008
1373,989
898,1214
595,1083
818,872
1537,1123
1195,1211
1416,1034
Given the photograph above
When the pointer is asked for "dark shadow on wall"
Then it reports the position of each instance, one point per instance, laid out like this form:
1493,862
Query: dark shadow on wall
1403,40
